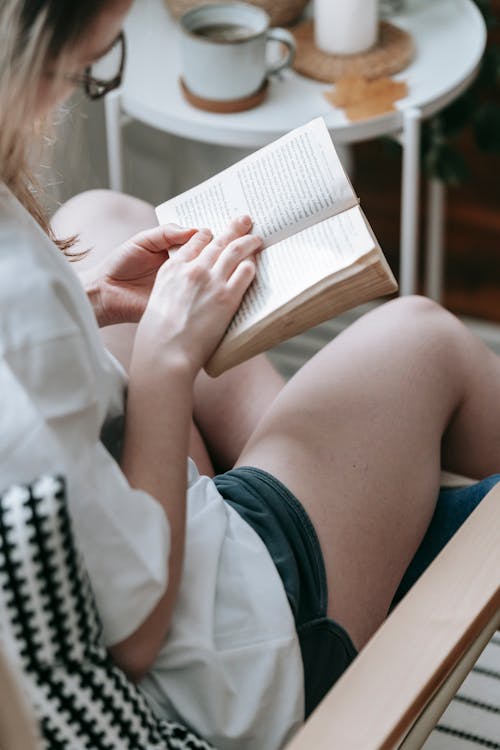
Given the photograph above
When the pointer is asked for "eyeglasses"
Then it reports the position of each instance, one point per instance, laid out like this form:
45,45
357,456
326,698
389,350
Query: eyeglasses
106,74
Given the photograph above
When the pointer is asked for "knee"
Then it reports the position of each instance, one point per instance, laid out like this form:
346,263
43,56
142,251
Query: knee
414,306
420,319
101,220
416,310
94,205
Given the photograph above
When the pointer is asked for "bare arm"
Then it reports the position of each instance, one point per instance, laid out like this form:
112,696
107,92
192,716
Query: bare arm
193,299
158,423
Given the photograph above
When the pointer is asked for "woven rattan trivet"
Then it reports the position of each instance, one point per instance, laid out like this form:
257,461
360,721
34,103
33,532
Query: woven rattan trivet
225,107
393,51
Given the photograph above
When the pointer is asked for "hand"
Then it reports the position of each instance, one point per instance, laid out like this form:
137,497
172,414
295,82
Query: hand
124,280
196,294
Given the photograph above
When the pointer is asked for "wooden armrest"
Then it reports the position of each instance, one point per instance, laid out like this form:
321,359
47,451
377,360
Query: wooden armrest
454,604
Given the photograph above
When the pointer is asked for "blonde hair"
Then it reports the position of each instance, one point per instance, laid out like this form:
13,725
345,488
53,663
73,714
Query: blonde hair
32,33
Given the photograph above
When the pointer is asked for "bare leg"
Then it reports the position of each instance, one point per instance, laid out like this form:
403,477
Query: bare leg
357,434
228,408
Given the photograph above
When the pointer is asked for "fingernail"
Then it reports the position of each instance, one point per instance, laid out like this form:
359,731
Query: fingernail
177,228
245,220
205,232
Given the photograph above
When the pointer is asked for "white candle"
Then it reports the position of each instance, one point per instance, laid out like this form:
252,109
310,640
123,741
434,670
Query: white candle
345,27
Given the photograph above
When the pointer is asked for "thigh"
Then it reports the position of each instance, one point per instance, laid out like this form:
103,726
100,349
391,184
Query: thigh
229,408
356,436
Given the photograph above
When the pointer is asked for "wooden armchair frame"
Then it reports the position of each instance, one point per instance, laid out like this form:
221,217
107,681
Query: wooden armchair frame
395,691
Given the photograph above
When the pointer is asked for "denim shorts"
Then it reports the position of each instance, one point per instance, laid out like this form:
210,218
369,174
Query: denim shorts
286,530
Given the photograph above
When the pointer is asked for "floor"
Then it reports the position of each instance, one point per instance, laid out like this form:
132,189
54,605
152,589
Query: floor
472,720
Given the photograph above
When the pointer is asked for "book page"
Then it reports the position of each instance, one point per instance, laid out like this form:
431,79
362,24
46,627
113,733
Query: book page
289,267
285,187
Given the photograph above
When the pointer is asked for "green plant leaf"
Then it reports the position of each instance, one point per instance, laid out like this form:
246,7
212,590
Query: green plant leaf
495,55
477,109
391,147
485,8
489,75
487,127
457,115
447,164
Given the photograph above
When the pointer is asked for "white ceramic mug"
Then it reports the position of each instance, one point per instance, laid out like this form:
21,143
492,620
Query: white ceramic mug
224,50
345,27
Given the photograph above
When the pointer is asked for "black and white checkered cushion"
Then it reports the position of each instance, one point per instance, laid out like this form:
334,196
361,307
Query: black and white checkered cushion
50,626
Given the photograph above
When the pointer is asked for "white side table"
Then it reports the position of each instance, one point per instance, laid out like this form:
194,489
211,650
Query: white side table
450,37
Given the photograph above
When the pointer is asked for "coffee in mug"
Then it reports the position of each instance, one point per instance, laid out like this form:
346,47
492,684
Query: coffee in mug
223,50
223,32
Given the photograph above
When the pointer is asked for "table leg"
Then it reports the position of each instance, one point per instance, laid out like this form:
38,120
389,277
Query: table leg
113,114
436,197
410,201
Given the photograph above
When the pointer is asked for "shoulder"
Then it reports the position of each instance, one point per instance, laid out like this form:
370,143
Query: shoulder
24,248
39,294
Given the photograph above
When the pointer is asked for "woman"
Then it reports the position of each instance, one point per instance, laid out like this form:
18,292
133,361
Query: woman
237,601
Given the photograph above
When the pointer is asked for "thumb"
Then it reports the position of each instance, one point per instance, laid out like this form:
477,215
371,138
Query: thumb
161,238
176,230
173,234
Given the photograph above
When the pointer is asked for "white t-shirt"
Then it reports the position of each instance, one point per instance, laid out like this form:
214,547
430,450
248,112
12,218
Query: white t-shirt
231,665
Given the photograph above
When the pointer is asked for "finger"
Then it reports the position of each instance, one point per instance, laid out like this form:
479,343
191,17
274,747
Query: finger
237,228
236,252
163,237
177,235
193,247
242,277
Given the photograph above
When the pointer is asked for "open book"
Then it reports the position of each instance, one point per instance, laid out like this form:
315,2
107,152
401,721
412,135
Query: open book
320,255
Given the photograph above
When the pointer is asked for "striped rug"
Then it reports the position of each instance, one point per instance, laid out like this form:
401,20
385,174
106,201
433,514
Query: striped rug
472,720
